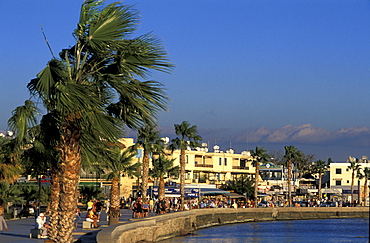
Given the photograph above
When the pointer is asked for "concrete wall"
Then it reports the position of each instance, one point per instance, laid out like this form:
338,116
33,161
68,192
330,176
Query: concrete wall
165,226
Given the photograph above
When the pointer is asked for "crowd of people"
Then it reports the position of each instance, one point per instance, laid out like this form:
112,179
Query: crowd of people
142,207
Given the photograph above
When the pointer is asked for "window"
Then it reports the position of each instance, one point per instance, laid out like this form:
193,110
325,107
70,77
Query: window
225,161
219,161
338,182
338,171
196,175
187,158
347,181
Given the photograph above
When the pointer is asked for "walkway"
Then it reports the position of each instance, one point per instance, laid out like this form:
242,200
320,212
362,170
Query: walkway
19,230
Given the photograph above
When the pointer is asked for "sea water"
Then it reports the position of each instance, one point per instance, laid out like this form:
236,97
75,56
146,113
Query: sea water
320,230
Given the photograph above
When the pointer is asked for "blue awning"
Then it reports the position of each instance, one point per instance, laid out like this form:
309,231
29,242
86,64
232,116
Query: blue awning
210,191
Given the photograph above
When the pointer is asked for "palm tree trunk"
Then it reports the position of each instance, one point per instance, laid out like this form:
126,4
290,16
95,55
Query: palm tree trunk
320,179
256,179
366,188
182,178
69,177
289,184
54,204
161,192
114,212
144,186
352,186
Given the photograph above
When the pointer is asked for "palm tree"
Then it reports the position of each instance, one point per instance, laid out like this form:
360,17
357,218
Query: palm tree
150,141
89,93
162,167
354,166
242,185
9,193
119,164
187,138
291,154
10,167
90,192
259,155
365,174
319,167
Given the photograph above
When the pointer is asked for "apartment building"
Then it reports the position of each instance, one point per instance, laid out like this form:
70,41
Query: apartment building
202,166
341,178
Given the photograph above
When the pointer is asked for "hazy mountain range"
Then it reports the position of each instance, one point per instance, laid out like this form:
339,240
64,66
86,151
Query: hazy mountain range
323,143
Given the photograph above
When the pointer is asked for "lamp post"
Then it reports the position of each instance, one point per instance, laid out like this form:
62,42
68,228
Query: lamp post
155,156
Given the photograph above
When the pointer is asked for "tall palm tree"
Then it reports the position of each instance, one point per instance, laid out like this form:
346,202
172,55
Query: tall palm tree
120,164
187,138
89,92
259,155
354,166
365,174
149,140
162,167
319,167
291,154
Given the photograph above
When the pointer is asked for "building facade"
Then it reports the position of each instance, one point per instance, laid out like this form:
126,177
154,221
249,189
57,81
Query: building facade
341,179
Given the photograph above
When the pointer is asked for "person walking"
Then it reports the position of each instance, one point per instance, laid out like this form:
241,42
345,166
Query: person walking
3,224
78,217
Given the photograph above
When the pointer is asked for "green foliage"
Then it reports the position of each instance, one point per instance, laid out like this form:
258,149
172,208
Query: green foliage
121,164
292,155
363,173
149,139
241,184
259,155
163,167
319,167
91,192
187,136
10,164
8,193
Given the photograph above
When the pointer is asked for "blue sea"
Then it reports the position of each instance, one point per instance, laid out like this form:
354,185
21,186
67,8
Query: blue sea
320,230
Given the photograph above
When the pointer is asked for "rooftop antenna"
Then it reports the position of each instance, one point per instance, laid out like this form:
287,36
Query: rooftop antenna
46,40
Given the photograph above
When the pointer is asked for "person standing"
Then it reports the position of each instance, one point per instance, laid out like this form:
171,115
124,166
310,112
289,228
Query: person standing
90,204
98,208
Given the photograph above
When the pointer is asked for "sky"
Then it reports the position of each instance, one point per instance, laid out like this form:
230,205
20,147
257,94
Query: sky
247,73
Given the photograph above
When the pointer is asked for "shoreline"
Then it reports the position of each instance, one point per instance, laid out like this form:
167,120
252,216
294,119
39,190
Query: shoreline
161,227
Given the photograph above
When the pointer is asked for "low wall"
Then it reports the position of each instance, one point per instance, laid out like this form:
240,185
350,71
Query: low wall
166,226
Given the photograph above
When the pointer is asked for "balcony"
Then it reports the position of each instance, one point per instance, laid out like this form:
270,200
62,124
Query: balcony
203,166
240,168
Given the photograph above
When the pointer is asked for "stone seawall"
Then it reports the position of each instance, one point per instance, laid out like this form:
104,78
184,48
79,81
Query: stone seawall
166,226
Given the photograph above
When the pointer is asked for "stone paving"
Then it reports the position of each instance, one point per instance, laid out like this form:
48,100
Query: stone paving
19,229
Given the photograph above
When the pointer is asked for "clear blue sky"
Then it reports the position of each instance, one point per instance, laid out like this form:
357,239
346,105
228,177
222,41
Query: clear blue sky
267,72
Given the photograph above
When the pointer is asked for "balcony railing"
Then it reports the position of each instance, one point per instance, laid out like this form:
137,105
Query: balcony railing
240,168
202,165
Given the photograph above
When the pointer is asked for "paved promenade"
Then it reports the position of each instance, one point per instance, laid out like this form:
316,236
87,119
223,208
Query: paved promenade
19,229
